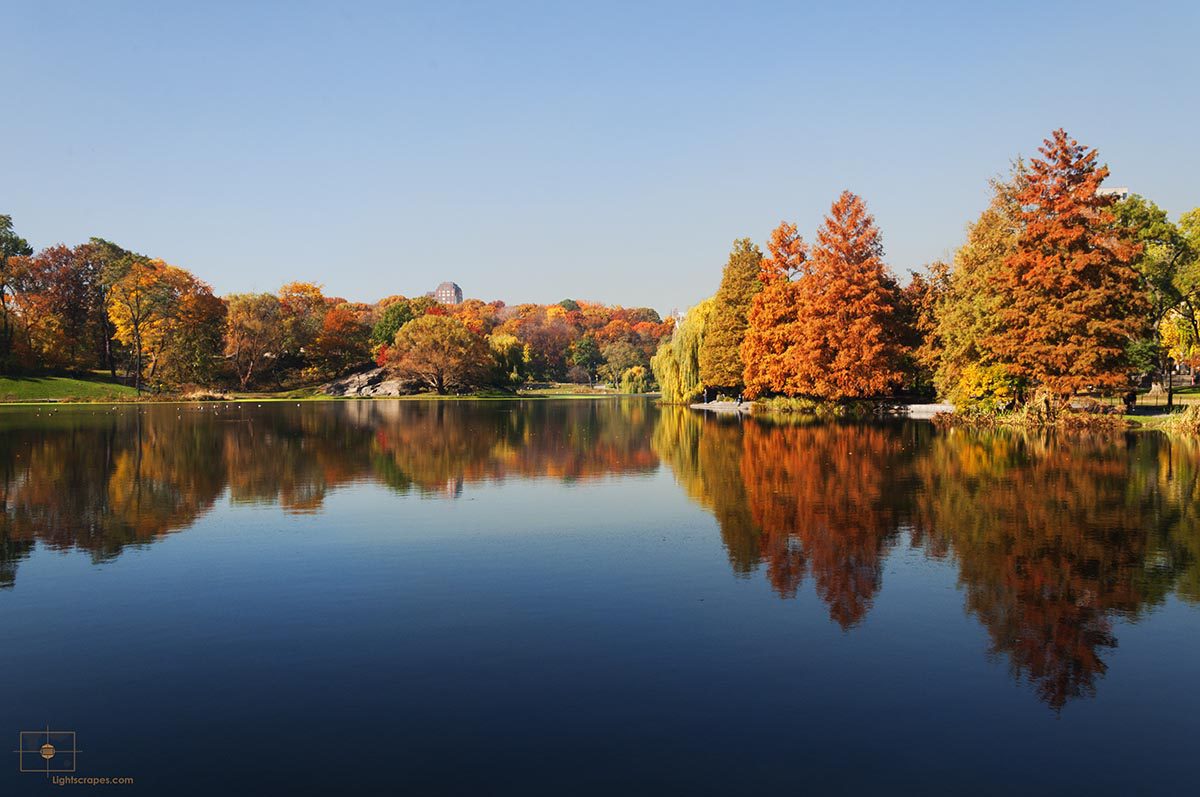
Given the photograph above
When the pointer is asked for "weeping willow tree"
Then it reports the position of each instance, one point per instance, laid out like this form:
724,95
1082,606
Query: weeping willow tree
676,365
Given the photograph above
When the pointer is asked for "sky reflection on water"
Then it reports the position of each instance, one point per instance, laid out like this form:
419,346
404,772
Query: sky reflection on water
558,584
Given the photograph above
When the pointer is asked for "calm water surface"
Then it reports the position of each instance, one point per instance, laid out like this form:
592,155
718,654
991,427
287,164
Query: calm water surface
564,597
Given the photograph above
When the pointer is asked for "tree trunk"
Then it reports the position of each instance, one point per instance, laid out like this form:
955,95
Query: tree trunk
154,363
1167,380
137,362
249,372
108,354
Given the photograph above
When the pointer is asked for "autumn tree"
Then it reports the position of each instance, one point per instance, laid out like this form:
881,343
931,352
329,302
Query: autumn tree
1070,301
341,344
968,310
619,357
917,315
721,363
42,301
547,334
12,248
303,307
772,320
676,365
63,294
143,296
254,332
477,315
190,346
844,340
635,380
512,362
442,353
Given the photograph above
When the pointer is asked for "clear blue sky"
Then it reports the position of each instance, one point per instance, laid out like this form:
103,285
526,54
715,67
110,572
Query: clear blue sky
533,152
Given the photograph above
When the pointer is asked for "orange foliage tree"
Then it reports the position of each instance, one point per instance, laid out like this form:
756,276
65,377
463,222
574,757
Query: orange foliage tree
440,352
772,315
1071,299
833,332
144,300
846,343
342,343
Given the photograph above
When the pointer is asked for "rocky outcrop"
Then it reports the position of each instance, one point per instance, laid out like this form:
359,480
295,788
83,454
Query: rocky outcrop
375,382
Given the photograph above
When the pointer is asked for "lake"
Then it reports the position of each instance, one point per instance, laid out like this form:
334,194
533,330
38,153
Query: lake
592,596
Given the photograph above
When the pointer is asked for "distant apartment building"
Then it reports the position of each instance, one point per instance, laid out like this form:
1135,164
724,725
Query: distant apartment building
1116,193
448,293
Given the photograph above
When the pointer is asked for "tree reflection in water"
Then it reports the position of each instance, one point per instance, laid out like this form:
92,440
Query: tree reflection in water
1053,538
102,479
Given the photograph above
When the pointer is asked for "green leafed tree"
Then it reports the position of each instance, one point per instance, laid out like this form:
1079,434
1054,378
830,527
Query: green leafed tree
585,354
676,364
1166,266
396,315
720,362
967,311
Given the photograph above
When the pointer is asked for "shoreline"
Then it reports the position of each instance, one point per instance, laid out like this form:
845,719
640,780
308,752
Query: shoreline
264,399
928,412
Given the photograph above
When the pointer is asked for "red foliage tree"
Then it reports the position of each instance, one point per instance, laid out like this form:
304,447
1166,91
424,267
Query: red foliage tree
772,316
1071,298
342,343
844,341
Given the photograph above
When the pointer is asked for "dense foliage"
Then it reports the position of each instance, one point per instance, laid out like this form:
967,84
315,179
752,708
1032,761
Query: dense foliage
676,366
1070,301
721,364
1060,288
773,312
98,306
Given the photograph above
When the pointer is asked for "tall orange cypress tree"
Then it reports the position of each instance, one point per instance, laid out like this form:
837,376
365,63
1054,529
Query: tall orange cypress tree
845,342
772,316
1072,300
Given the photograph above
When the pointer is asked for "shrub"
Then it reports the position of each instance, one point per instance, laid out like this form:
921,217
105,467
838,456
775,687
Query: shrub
1184,421
984,388
825,410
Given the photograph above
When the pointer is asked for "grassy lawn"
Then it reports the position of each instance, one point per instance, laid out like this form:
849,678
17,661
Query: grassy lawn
32,389
58,388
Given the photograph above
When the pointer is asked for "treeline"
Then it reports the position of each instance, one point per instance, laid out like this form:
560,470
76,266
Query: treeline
1061,287
98,306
